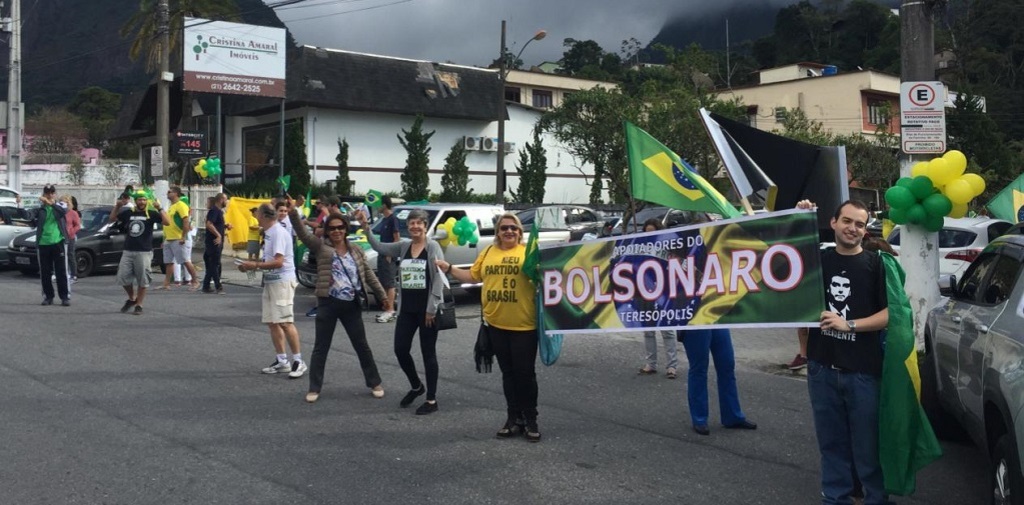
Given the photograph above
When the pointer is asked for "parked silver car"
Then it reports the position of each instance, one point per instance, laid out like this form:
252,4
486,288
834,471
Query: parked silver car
973,369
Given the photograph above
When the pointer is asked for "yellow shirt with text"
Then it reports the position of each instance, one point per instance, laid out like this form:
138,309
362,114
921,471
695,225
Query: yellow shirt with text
508,295
178,214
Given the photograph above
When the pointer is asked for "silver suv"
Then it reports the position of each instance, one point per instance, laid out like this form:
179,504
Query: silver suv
481,215
973,369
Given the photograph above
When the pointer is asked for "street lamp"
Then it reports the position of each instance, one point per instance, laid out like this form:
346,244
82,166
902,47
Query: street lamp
499,193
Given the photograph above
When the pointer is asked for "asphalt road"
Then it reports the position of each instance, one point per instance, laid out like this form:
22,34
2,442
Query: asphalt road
98,407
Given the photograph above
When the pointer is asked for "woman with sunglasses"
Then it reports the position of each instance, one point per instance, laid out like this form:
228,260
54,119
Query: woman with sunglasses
342,276
510,319
421,288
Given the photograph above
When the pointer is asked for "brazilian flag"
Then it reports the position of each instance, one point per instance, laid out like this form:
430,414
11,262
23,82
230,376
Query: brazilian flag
373,198
1009,203
658,175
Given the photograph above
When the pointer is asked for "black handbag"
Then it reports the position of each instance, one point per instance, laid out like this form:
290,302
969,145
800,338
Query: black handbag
444,319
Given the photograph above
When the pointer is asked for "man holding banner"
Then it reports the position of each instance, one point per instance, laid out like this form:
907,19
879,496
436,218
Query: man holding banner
845,361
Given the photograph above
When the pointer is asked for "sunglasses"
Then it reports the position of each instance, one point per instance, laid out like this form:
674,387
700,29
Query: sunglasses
509,227
334,228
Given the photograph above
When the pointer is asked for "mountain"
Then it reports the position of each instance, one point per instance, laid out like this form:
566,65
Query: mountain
73,44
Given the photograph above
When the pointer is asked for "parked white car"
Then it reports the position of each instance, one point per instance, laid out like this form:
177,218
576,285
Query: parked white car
8,197
960,242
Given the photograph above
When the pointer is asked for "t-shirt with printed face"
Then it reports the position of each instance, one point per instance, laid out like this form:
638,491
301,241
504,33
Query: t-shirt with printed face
854,289
277,241
178,213
138,228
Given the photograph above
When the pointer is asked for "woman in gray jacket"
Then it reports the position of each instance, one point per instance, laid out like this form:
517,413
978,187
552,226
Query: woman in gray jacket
342,277
421,288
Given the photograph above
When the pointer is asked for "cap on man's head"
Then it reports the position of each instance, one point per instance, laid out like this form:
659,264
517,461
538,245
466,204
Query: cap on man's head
139,194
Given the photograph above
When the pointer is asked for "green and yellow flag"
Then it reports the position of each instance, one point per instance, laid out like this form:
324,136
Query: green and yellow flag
1009,203
659,176
373,198
531,265
906,442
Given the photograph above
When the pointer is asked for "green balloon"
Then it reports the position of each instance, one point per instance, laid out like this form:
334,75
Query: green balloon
904,182
933,223
899,197
937,205
916,214
921,187
898,216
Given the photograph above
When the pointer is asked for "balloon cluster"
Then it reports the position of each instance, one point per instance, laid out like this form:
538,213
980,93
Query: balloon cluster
936,189
449,227
465,231
208,168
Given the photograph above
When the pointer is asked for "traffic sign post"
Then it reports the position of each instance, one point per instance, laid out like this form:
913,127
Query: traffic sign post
923,117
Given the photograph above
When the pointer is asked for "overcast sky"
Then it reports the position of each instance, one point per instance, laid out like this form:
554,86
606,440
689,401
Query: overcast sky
468,31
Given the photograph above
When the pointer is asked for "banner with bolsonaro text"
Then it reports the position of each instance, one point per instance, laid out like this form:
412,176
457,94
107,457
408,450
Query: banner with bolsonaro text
749,272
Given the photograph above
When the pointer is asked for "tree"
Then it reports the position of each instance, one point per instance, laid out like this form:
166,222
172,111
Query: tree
97,109
416,176
511,62
586,59
142,26
75,174
57,135
455,179
345,185
295,163
532,168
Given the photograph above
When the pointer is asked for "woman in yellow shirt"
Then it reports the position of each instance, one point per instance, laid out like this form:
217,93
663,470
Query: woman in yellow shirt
510,318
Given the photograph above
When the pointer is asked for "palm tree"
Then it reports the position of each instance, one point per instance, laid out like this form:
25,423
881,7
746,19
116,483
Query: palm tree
143,26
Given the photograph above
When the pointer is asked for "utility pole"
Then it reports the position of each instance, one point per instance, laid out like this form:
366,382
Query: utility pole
163,84
15,109
499,187
919,252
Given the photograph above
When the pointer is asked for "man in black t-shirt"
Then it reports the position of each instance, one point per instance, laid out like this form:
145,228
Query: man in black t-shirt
214,243
137,225
845,361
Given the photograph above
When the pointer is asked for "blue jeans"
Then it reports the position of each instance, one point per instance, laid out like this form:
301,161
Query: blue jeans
698,344
845,406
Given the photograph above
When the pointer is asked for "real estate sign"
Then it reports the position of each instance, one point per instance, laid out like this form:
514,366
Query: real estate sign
233,58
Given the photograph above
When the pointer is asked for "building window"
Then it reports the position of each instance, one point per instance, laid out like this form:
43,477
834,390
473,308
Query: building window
260,147
513,94
542,99
879,112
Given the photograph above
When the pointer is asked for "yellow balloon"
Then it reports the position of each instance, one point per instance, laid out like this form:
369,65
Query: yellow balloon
919,168
449,227
959,191
940,172
959,210
957,161
976,182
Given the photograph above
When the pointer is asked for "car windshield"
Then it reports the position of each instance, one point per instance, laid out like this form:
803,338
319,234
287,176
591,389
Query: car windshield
93,218
402,213
949,238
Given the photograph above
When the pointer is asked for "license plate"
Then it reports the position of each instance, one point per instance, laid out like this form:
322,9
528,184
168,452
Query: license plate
22,261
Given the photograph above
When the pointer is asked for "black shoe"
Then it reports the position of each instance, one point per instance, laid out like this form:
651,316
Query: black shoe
208,291
47,301
701,429
511,429
426,408
65,303
532,432
412,395
745,425
138,310
128,304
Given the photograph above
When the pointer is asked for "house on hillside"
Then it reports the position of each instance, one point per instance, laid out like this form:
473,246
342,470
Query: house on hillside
367,100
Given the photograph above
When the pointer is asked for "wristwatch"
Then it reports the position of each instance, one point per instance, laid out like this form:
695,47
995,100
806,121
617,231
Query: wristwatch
852,324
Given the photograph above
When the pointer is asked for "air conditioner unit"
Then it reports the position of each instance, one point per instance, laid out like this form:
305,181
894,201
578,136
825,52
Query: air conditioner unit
510,147
490,144
471,143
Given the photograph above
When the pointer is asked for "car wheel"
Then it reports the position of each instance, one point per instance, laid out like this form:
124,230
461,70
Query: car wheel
1006,480
84,263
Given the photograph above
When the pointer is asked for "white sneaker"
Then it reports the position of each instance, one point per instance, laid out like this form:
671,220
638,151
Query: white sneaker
386,317
298,370
277,367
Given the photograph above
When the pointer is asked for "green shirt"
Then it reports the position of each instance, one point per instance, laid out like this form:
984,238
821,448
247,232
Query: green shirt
51,232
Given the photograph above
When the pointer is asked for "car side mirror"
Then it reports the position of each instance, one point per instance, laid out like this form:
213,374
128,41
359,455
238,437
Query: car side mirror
947,286
440,234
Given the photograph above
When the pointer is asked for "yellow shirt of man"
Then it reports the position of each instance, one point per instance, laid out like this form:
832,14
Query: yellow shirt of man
178,213
254,229
507,295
